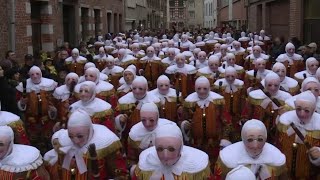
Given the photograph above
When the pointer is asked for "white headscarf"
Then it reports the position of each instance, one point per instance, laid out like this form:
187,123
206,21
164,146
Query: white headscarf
140,80
95,71
308,61
288,46
71,75
35,69
241,173
79,118
92,88
89,65
253,124
307,96
271,76
131,68
7,132
306,81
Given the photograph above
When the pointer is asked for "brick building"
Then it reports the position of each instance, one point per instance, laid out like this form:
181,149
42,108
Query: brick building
28,26
288,18
232,12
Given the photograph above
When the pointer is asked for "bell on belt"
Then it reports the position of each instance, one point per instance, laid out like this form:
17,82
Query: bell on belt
163,108
73,171
294,145
272,111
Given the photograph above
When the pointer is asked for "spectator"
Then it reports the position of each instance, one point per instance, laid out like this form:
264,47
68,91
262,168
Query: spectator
28,63
278,47
7,95
10,61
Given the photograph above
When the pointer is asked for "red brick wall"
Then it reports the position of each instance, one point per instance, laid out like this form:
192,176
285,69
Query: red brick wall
4,34
224,16
22,20
239,11
279,18
296,21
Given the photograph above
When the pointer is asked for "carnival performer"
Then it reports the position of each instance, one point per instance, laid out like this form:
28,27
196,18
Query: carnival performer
92,151
75,62
19,161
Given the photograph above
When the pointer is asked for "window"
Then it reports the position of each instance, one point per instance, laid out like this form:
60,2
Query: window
191,14
224,3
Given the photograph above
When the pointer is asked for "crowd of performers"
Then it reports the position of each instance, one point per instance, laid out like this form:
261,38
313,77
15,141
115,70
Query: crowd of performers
183,108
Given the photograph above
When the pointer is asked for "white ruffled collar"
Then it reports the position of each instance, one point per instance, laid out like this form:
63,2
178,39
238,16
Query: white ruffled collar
235,155
139,133
191,161
7,118
22,158
203,102
168,96
45,84
130,99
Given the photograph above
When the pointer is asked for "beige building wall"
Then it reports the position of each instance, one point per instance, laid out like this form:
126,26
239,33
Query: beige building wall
194,14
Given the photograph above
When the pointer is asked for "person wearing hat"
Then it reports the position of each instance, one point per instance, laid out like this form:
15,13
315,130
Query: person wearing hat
113,71
100,111
244,40
124,59
309,84
201,61
100,59
75,62
295,146
263,159
142,134
213,71
28,63
158,50
64,96
207,125
232,89
77,158
34,98
136,52
128,75
170,99
292,61
19,161
265,102
312,65
253,77
223,52
104,90
151,66
102,76
256,53
287,84
129,106
182,75
240,172
169,159
230,61
169,60
17,125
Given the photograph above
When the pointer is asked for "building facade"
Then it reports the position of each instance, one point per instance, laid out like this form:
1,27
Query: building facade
233,13
156,14
194,14
45,24
178,13
287,18
210,12
136,14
